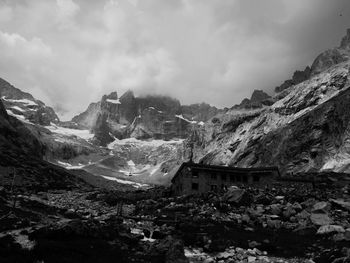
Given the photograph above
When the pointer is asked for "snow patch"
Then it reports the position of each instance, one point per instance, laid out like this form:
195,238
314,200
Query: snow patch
23,101
21,117
122,181
136,142
69,166
131,163
182,118
18,108
117,101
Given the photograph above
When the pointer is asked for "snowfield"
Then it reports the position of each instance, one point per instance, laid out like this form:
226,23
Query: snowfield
84,134
141,143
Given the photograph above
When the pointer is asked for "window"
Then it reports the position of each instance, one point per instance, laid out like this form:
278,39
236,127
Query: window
195,174
213,176
233,178
256,178
214,187
245,179
223,177
239,179
194,186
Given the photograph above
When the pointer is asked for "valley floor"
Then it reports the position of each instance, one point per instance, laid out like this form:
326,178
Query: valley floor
287,223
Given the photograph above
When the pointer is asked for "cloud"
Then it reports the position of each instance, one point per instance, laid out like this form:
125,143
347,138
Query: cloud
67,9
15,45
69,53
142,72
5,13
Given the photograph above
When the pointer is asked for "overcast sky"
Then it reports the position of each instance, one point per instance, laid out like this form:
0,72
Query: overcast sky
69,53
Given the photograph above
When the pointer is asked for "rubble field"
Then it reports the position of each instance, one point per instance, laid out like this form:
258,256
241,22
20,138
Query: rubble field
287,222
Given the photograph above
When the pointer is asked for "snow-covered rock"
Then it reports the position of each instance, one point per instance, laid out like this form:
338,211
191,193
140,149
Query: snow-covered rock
24,106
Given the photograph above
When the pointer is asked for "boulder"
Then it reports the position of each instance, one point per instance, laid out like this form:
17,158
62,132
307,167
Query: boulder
276,224
341,203
275,209
320,219
237,196
289,211
347,234
175,253
321,207
328,229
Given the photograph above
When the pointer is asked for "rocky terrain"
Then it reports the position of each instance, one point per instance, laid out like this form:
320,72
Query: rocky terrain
284,223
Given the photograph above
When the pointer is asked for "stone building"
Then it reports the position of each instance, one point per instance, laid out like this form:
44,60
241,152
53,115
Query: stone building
200,178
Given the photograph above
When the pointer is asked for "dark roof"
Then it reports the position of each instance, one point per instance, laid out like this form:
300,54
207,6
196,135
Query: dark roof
221,168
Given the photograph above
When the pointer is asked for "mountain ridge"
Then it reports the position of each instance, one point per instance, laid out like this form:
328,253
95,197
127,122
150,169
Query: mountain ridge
305,129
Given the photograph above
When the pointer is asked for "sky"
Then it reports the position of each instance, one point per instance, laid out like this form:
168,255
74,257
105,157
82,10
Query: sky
69,53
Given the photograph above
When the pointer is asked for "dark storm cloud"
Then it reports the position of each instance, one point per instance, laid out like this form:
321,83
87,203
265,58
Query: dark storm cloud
70,52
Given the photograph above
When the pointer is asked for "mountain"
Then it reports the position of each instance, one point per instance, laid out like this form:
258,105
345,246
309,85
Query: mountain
23,105
302,127
77,146
22,153
148,117
34,128
305,129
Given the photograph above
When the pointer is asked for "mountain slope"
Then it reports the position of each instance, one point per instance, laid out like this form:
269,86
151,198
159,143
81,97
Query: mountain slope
23,105
306,129
20,151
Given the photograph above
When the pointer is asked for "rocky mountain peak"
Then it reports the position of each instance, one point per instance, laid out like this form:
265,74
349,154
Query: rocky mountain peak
149,116
322,62
333,56
259,95
345,42
112,96
258,99
298,77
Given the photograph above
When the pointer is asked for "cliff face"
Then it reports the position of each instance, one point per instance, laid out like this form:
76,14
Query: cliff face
157,117
306,129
